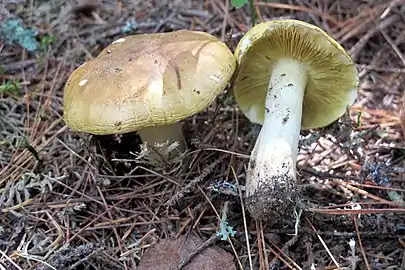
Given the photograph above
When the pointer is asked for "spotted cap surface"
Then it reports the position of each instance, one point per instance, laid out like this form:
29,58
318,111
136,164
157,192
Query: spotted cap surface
147,80
332,76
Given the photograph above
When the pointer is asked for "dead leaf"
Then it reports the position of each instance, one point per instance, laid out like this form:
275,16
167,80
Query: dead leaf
167,254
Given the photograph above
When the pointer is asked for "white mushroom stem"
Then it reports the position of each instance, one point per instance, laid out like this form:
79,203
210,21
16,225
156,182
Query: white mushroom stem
160,139
271,175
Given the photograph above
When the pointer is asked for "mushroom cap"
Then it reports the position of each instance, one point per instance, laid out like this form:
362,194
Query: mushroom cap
332,76
147,80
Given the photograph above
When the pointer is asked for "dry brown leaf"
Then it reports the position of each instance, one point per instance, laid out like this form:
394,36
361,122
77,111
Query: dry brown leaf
167,254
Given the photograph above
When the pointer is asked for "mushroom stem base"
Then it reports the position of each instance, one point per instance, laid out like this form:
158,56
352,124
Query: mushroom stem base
160,139
271,189
274,200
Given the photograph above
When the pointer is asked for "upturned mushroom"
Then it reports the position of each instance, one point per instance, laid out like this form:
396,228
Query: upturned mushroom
148,83
291,76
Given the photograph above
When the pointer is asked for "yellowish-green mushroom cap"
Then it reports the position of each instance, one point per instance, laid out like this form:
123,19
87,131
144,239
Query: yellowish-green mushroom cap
147,80
332,76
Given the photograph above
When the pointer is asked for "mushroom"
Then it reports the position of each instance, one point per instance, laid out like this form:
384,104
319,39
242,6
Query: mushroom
291,76
148,83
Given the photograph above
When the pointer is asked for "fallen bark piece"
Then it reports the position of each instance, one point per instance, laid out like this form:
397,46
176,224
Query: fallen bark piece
167,255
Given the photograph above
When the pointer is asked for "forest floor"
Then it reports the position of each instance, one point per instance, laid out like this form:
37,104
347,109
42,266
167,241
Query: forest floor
69,200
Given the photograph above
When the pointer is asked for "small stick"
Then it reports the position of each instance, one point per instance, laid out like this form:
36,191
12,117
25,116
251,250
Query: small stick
324,245
244,219
356,225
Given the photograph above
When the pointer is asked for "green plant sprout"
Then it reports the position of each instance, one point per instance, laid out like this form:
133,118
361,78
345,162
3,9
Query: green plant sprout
45,41
2,69
359,119
241,3
10,87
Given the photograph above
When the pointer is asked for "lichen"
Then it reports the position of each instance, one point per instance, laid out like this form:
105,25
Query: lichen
14,31
225,230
